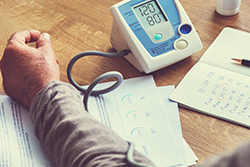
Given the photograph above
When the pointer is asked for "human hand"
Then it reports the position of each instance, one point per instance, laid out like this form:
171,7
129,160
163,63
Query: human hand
27,70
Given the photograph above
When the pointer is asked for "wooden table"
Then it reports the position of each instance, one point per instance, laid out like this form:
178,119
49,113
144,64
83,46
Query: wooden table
80,25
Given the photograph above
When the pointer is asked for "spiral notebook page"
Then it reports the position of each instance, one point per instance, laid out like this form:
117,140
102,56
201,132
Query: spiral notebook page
230,43
215,85
216,92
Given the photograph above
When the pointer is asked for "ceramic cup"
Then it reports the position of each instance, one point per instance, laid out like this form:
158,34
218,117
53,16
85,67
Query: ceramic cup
228,7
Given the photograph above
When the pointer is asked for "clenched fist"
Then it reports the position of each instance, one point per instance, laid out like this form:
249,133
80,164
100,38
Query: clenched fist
27,70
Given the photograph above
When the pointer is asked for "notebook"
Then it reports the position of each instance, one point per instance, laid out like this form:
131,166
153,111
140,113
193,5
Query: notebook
215,85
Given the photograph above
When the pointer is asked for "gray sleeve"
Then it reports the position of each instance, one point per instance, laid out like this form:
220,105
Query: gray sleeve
237,158
70,135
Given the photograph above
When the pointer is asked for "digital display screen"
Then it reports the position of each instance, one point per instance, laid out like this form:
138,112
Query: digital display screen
149,14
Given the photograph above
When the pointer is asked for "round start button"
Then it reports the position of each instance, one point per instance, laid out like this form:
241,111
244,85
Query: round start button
158,36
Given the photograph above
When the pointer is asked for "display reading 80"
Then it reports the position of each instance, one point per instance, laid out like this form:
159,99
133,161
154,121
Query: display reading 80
155,23
149,14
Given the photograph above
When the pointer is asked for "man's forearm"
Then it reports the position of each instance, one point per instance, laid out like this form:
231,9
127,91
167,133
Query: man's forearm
71,136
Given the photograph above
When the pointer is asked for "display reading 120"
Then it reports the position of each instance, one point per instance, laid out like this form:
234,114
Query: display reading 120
149,14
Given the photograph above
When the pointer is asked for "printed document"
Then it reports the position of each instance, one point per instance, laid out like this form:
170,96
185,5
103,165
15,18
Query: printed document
18,143
138,111
135,111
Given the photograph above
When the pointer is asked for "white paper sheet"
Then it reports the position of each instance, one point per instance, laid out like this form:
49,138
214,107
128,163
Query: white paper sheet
18,143
171,108
135,112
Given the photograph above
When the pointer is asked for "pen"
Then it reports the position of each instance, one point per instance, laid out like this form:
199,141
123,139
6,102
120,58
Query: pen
244,62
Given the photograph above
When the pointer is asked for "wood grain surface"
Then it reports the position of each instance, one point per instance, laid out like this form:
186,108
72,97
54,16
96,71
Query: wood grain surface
81,25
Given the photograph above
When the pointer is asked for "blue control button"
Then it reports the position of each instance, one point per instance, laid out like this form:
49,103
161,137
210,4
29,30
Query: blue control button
185,29
158,36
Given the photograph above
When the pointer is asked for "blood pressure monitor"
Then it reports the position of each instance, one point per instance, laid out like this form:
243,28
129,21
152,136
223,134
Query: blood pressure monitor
150,34
157,32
